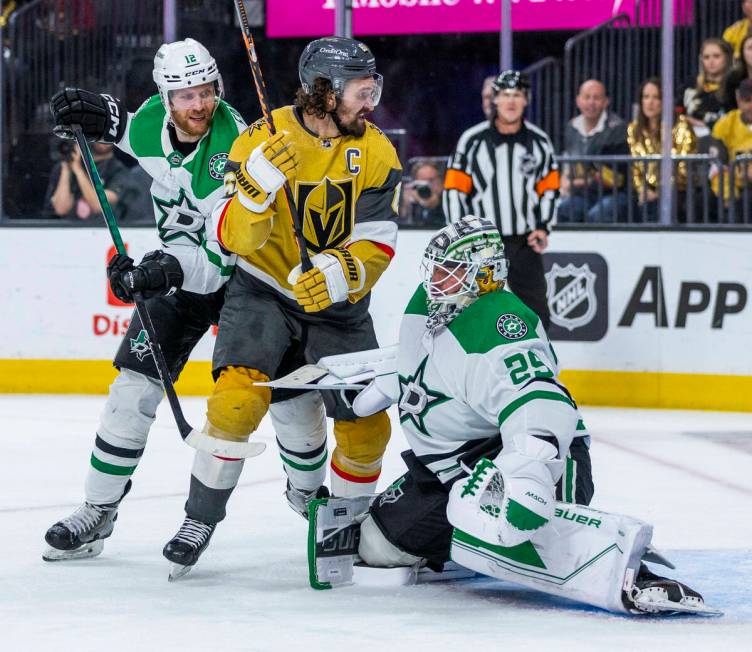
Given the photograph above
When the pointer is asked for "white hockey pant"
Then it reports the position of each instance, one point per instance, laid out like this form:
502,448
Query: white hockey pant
583,554
121,436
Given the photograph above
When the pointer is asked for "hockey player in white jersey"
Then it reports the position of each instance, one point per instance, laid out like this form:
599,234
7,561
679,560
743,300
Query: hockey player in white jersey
181,137
496,440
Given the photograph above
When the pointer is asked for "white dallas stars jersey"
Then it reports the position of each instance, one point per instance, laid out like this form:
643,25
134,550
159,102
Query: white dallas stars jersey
185,189
468,381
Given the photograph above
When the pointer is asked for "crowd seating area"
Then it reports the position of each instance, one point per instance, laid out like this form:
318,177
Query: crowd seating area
600,102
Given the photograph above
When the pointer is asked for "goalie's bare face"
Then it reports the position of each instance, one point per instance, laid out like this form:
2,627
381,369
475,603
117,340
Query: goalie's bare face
192,108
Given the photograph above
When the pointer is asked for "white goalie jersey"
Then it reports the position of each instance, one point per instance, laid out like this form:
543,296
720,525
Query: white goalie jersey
491,370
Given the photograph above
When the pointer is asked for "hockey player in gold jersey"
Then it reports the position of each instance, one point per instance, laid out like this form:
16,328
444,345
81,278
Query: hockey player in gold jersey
344,175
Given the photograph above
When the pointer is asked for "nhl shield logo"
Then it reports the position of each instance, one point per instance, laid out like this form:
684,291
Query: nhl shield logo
571,295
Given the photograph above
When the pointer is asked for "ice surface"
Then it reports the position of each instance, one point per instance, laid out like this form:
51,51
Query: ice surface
688,473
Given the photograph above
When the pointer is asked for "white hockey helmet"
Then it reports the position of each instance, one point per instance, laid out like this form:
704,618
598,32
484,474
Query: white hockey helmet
183,64
462,261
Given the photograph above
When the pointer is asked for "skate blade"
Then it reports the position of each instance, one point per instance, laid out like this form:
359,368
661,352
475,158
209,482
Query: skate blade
177,571
661,606
85,551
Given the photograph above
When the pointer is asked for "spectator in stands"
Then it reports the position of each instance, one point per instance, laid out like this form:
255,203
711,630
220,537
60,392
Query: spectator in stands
704,100
736,33
421,199
70,194
644,137
742,70
734,130
487,97
595,132
136,201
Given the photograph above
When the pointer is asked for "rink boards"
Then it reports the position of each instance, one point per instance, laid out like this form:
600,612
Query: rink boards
651,319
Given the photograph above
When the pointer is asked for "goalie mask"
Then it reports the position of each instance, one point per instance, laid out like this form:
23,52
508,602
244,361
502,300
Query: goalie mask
463,261
185,64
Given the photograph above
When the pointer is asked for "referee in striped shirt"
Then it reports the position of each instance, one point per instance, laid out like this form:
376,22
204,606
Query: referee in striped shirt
504,169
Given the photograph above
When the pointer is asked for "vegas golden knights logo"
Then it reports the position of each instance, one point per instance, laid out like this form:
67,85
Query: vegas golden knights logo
327,210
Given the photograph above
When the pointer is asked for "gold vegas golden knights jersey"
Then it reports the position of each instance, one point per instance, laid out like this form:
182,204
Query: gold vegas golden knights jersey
347,194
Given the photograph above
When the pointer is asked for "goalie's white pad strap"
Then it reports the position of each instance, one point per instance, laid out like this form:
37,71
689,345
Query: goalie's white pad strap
586,555
267,177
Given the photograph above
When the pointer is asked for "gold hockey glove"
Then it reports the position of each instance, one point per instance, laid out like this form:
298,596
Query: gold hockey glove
268,167
336,273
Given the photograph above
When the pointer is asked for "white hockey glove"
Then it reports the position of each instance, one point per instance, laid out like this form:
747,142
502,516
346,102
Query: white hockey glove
335,274
505,502
265,171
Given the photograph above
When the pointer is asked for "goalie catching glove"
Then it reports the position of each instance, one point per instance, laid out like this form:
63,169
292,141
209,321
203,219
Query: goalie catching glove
265,171
158,273
335,275
102,117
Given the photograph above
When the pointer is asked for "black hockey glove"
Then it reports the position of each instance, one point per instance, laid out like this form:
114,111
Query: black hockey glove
119,264
102,117
158,273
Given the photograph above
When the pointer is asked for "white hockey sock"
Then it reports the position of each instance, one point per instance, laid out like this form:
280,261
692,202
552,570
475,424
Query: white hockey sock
300,425
121,436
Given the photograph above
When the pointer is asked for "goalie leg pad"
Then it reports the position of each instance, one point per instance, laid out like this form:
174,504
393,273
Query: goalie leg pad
375,550
585,555
237,406
300,425
356,461
121,436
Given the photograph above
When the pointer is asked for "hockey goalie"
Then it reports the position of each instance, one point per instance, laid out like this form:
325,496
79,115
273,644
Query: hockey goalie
499,475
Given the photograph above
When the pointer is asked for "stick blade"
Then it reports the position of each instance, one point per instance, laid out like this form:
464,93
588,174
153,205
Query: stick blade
237,449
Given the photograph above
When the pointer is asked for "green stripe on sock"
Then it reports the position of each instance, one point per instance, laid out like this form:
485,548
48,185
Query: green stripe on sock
304,467
111,469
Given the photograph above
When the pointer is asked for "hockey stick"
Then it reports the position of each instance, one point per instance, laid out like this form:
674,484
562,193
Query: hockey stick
258,79
192,437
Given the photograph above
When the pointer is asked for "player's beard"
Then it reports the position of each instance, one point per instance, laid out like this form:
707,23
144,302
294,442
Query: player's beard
351,126
183,121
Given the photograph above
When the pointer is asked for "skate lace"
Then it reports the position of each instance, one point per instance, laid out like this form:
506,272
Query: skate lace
86,517
194,532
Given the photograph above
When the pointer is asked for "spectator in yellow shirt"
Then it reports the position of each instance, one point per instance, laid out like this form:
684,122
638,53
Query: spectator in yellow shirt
734,34
734,130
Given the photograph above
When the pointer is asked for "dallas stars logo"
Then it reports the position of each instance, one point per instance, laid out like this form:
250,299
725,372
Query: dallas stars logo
179,218
140,346
417,399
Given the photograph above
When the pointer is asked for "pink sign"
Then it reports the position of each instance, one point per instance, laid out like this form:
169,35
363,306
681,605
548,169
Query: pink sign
288,18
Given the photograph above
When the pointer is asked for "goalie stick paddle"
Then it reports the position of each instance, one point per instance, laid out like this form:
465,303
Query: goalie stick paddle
263,96
192,437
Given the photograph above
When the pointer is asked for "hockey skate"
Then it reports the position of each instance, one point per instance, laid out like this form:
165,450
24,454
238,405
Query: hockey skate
653,594
185,548
298,499
82,534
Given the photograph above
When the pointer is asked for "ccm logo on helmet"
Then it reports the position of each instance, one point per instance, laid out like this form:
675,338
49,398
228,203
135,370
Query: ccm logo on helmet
114,114
193,73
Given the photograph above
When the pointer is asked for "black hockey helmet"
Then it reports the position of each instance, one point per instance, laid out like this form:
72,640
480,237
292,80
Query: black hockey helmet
511,80
337,59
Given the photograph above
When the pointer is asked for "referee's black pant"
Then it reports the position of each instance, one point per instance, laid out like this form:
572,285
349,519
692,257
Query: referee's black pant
526,278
